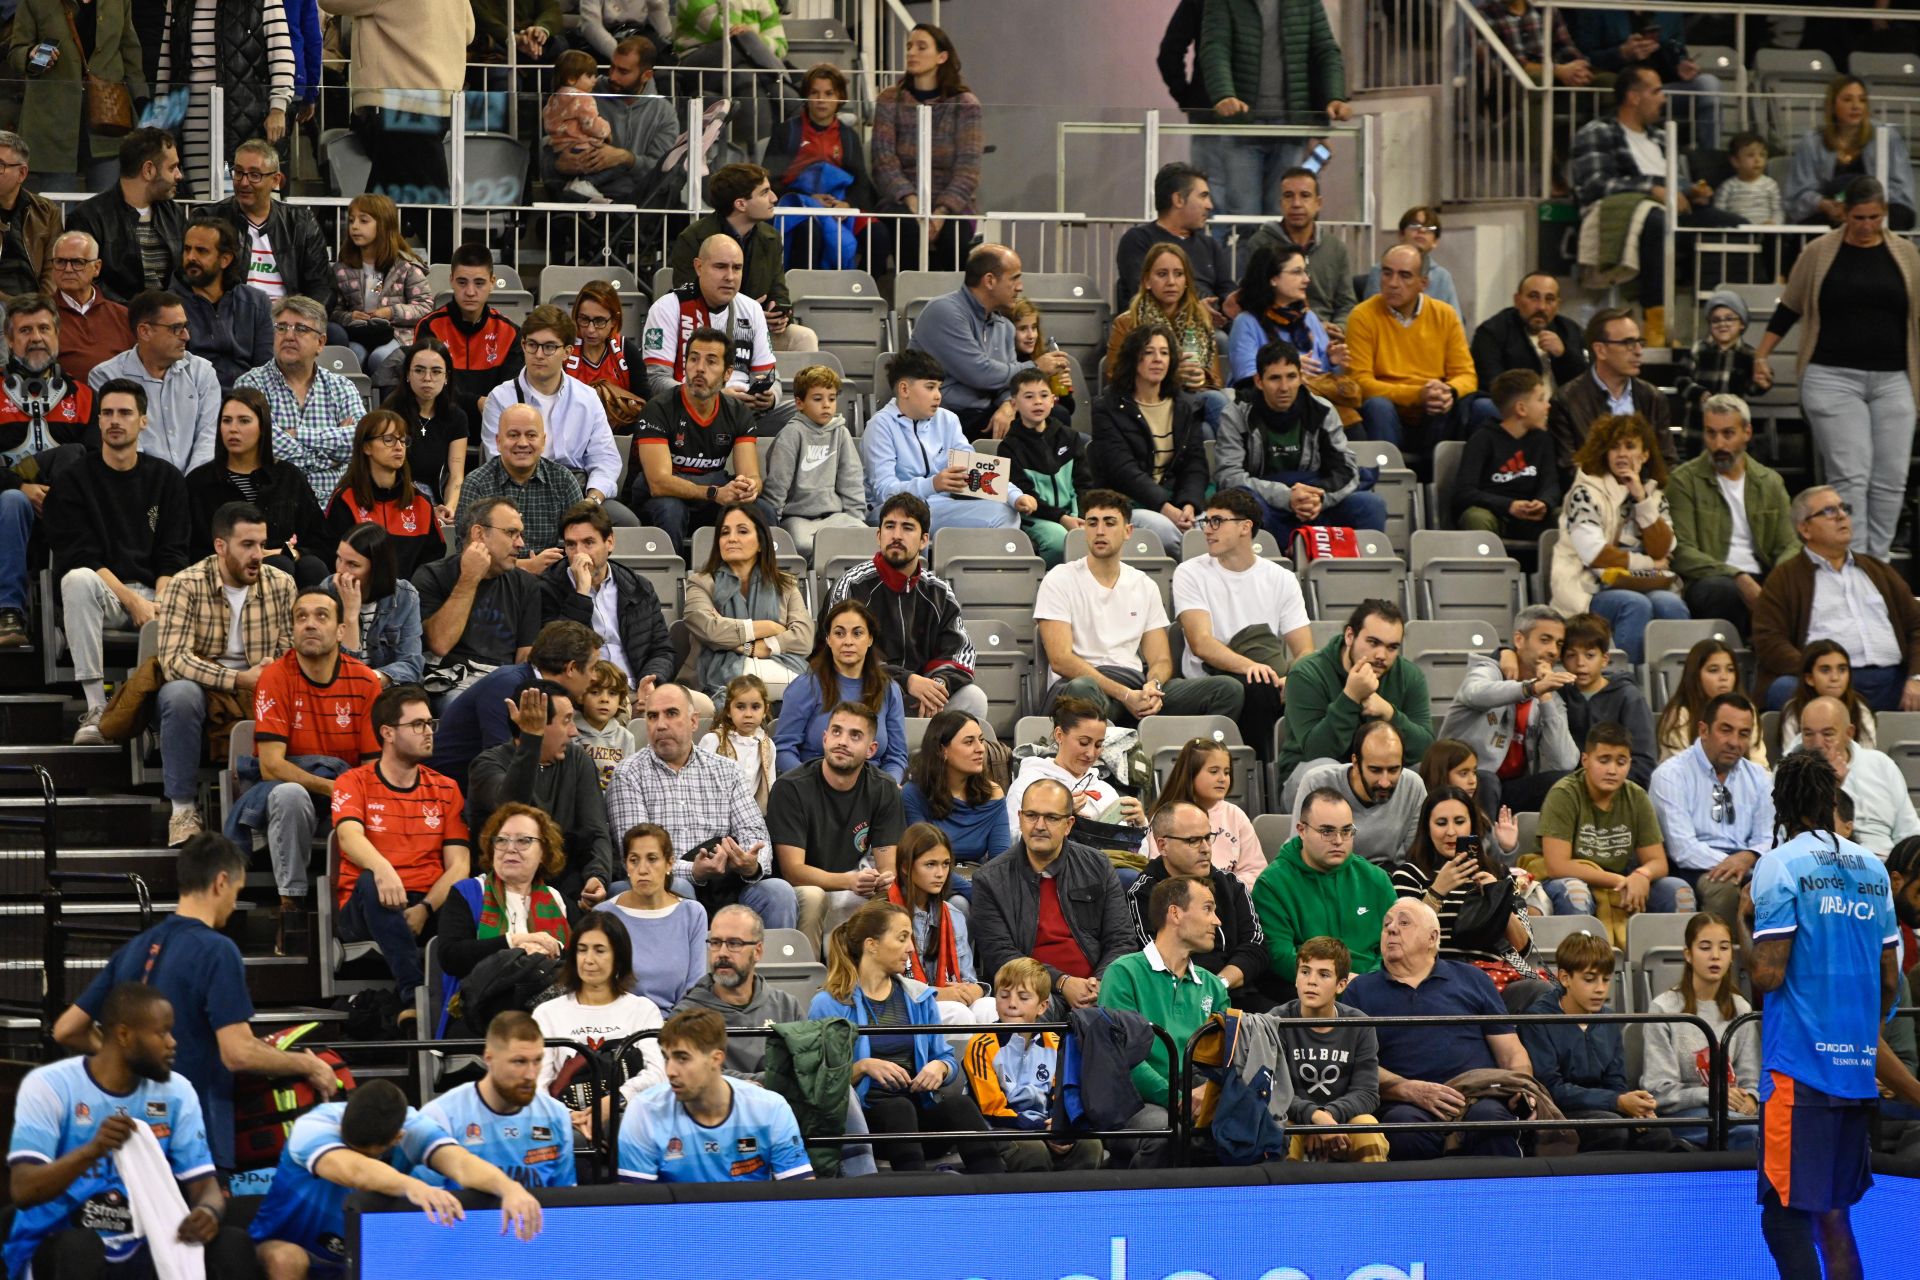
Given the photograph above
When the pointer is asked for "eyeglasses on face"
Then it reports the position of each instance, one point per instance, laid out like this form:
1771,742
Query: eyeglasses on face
519,844
1214,522
731,944
419,726
1041,818
73,264
1333,833
304,330
1833,512
541,348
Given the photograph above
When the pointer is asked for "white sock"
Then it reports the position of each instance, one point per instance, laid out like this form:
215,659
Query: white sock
182,807
96,691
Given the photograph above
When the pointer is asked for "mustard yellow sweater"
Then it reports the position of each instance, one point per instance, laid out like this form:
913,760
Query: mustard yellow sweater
1396,361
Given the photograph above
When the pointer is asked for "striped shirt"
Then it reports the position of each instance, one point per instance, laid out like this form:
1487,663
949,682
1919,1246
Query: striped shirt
196,133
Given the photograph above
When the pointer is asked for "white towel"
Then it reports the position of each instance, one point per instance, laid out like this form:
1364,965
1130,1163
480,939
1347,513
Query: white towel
153,1193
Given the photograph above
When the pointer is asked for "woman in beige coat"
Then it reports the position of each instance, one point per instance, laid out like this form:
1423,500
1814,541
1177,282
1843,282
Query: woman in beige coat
744,613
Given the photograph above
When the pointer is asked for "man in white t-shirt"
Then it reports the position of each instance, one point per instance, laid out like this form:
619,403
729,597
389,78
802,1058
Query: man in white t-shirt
1242,615
1104,629
1732,519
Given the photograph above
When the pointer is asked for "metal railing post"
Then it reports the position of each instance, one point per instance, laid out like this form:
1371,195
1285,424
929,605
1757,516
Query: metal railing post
1151,157
457,163
923,180
217,141
696,156
1668,249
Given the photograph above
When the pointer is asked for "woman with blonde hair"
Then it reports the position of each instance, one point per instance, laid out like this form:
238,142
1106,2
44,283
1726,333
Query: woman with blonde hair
1617,534
1167,296
382,284
1845,145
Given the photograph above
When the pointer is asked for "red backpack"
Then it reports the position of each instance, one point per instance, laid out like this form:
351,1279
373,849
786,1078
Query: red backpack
264,1110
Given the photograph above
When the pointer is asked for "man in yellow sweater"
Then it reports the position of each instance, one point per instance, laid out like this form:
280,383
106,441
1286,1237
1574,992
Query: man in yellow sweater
1409,354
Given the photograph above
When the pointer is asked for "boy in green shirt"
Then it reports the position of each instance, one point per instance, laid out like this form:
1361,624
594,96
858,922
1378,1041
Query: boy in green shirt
1598,832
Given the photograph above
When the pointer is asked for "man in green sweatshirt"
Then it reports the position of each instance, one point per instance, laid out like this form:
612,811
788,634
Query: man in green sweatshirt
1358,675
1314,887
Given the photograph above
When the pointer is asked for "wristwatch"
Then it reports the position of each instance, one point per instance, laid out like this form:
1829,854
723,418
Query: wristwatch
713,493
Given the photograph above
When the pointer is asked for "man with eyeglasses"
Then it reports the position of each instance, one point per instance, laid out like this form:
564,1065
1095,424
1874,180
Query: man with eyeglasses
93,327
286,252
41,406
1833,592
1181,846
29,224
1384,796
315,410
543,765
1051,898
1716,806
578,436
312,721
1612,386
183,389
229,319
1883,813
1732,524
402,838
541,487
477,610
1314,887
1409,353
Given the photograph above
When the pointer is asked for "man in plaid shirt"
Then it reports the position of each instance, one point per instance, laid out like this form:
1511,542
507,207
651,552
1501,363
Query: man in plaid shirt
315,410
703,802
221,622
1517,23
540,488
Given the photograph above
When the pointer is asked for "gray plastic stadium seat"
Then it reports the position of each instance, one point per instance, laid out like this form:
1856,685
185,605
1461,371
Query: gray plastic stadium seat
1334,586
1667,642
913,290
1465,576
847,311
994,572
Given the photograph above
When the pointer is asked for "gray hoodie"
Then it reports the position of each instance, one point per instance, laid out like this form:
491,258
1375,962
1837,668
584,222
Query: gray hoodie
1482,716
1336,1069
814,471
1382,833
745,1054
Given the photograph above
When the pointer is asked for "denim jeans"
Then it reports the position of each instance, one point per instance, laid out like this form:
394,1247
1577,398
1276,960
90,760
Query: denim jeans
363,919
1740,1137
1157,524
183,737
772,898
1360,509
1432,1144
1862,424
1248,180
16,531
1571,897
1629,612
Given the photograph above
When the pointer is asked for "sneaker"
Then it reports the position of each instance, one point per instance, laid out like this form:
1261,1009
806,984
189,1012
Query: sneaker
13,628
88,734
182,827
291,935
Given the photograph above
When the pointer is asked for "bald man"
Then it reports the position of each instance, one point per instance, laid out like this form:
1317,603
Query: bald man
1883,813
969,333
1417,1062
539,486
1410,356
714,301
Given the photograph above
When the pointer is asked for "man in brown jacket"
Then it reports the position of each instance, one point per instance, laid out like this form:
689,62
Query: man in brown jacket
1613,385
1832,592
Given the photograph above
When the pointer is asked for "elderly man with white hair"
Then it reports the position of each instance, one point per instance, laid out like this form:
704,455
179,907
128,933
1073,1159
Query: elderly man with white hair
1731,525
1417,1062
93,327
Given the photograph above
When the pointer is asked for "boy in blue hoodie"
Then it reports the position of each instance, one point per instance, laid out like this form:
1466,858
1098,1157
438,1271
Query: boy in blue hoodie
905,450
1584,1065
1011,1074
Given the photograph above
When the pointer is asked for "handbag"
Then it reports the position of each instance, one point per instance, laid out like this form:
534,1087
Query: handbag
1481,923
109,107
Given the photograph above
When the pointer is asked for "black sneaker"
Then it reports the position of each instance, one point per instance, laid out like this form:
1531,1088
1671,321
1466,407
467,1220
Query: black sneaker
291,935
13,629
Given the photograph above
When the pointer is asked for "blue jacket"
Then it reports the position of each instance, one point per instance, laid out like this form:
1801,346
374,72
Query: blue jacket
1584,1070
902,455
928,1046
975,347
800,735
234,334
249,812
1103,1047
390,644
1251,332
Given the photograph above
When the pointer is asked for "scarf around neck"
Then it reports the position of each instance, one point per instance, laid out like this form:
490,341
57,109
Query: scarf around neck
544,912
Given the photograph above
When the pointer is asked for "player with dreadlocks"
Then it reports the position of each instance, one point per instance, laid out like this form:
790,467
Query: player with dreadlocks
1823,925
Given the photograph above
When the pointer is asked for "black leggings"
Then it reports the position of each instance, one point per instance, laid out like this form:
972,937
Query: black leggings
951,1110
76,1254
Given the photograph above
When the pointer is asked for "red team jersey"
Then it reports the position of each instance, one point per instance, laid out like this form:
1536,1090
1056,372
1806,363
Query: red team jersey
333,719
409,827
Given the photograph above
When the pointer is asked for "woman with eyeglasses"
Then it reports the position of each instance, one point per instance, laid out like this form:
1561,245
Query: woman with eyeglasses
1273,306
244,470
604,358
509,904
1420,227
1857,289
1617,534
1201,776
669,932
378,487
596,1007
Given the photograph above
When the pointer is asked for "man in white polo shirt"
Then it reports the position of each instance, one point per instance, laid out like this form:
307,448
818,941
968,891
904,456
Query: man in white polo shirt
1104,628
1242,614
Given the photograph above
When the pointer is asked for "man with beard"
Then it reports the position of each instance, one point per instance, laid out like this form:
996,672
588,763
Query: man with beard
136,222
40,407
1532,335
1384,797
183,391
190,961
221,622
834,824
688,435
644,126
921,636
227,318
72,1115
1506,712
119,523
503,1118
1357,674
714,301
1731,521
312,721
315,410
403,843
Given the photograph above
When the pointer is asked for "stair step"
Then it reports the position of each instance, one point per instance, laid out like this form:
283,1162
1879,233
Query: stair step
33,717
70,766
90,822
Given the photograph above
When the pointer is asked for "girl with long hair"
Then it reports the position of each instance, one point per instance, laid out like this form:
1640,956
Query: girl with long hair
1675,1061
932,79
669,933
379,609
1711,669
908,1082
942,955
1167,296
381,282
845,667
738,733
1826,672
1148,439
1202,775
950,787
378,487
603,357
1450,762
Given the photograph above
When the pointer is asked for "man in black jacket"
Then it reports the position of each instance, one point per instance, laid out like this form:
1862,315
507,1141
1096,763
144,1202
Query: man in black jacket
1054,900
1184,838
1531,334
136,252
587,586
1613,385
282,244
543,766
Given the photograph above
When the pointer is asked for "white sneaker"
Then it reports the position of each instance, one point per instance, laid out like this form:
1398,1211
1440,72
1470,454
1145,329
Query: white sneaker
586,191
182,827
88,734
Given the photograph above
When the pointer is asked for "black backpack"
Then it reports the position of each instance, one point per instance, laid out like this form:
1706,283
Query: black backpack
510,979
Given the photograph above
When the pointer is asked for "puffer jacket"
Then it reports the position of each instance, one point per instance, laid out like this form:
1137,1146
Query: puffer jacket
1230,53
1006,908
403,287
1240,458
255,76
810,1064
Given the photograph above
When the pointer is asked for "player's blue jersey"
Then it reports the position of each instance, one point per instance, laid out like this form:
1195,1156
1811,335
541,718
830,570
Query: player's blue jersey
1832,897
304,1208
534,1146
58,1110
759,1141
